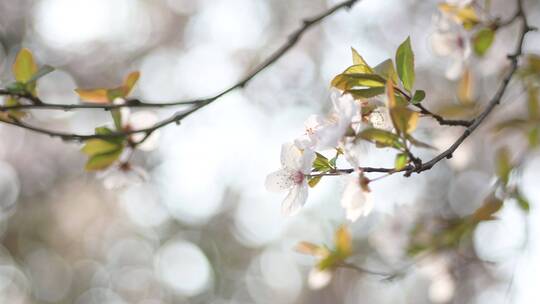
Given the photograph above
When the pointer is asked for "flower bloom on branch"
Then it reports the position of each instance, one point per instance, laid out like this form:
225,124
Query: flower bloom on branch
356,199
451,38
122,174
139,121
296,165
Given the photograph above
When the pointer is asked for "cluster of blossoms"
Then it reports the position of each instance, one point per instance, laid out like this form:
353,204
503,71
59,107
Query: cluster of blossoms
454,36
336,131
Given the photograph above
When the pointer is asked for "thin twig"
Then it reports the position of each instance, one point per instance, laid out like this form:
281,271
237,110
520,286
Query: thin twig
196,104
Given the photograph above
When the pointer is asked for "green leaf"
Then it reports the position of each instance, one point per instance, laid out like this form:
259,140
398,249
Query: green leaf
522,201
534,137
418,96
417,143
482,41
401,161
532,103
347,82
99,146
102,161
381,137
24,67
386,70
106,131
359,60
366,93
403,119
321,163
491,205
314,180
405,64
503,165
44,70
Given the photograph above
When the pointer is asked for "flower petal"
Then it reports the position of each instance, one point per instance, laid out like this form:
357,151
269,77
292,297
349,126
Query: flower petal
318,279
279,181
291,156
355,201
295,200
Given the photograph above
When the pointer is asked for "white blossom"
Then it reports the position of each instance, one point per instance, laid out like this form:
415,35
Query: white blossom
121,175
296,165
137,121
355,200
451,40
318,279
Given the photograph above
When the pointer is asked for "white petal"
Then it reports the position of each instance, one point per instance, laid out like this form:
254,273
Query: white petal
318,279
308,156
295,200
279,181
305,142
455,70
291,156
355,201
443,43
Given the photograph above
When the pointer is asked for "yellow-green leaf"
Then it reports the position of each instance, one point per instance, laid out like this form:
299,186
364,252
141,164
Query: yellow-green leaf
403,119
465,88
99,146
491,205
465,15
93,95
102,161
357,80
534,112
401,161
381,137
482,41
405,64
24,67
314,180
343,241
130,82
359,60
386,70
366,93
503,165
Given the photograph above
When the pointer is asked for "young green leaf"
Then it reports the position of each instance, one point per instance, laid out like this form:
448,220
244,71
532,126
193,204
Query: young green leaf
418,96
401,161
366,93
357,80
522,201
102,161
24,67
405,64
314,180
386,70
503,165
381,137
359,60
482,41
532,103
44,70
403,119
99,146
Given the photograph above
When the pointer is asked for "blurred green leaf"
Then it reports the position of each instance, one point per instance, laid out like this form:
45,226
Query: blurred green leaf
321,163
44,70
522,201
482,41
347,82
503,165
386,70
366,93
314,180
381,137
99,146
401,161
405,64
24,67
532,103
102,161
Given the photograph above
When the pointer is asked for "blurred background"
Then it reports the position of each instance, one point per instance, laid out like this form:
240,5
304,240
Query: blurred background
203,229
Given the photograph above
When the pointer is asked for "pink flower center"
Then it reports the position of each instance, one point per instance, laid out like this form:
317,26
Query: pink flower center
298,177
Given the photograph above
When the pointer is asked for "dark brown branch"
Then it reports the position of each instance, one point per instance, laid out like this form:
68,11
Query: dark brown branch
196,104
476,122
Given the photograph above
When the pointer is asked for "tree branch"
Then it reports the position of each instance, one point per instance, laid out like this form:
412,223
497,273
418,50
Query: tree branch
196,104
